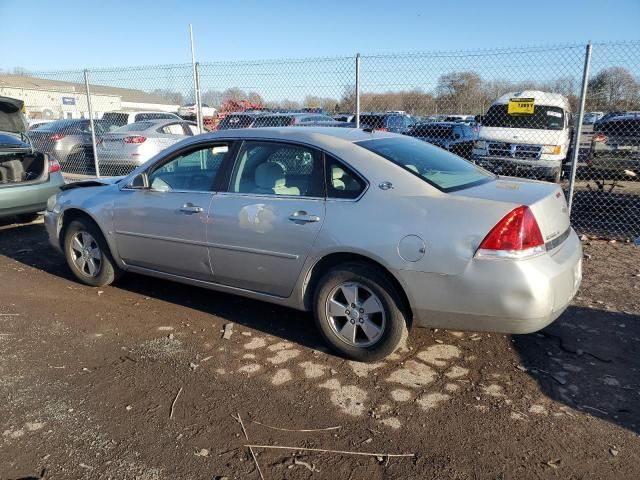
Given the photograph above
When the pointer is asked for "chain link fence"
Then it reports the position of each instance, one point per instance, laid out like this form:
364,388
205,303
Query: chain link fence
515,111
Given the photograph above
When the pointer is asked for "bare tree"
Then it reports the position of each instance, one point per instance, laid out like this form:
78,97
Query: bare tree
614,88
169,95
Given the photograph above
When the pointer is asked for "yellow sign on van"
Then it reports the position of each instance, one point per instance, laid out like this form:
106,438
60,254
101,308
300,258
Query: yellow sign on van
520,106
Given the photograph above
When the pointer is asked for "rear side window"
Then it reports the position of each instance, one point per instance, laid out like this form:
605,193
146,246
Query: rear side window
438,167
277,169
342,182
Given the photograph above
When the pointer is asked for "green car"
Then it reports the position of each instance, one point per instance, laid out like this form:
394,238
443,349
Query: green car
27,178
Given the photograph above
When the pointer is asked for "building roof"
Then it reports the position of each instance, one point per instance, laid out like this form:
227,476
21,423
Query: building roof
126,94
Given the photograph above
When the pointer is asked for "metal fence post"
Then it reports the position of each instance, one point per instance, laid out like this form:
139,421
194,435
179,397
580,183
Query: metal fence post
194,68
578,132
357,90
200,119
93,130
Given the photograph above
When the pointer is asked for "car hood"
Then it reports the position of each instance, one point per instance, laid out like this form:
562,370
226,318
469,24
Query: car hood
524,135
98,182
11,117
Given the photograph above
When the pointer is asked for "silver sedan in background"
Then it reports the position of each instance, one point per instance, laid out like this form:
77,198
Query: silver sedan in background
130,146
371,231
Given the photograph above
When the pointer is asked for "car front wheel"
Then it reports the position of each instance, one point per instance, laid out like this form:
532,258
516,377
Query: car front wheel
358,312
88,255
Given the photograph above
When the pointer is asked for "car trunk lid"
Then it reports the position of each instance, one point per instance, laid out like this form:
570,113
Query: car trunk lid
546,201
11,116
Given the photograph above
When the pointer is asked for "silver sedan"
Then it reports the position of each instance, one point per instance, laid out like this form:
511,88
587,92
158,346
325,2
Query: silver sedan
132,145
373,232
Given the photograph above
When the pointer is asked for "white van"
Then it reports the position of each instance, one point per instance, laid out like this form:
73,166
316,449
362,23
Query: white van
527,132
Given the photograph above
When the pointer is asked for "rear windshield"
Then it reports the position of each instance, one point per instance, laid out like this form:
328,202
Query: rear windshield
235,121
135,127
372,121
543,117
283,121
154,116
624,127
431,131
116,118
438,167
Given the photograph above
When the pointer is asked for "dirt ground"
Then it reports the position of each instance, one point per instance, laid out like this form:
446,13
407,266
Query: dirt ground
136,381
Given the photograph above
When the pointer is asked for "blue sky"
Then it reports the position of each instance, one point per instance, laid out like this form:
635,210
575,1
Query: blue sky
48,35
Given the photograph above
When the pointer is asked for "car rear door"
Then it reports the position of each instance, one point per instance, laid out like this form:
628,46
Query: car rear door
262,229
163,227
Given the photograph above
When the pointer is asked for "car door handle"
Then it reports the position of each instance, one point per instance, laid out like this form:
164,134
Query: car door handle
303,217
190,208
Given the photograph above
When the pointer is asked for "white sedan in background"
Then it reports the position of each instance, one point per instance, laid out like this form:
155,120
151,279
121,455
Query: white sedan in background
125,148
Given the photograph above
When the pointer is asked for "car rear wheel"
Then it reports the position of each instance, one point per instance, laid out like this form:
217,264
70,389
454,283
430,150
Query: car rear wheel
358,312
88,255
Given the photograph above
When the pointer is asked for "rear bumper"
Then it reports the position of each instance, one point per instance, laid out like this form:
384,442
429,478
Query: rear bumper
24,199
498,295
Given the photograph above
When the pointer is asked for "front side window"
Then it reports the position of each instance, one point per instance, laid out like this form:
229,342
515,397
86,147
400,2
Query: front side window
193,171
271,168
442,169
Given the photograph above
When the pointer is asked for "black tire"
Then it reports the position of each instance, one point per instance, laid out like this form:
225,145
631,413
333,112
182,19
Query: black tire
108,271
27,217
372,278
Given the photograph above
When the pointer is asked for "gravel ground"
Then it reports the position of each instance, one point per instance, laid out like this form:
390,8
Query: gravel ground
136,381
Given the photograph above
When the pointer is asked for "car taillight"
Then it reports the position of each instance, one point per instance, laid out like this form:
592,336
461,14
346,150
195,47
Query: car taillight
134,139
54,166
56,136
600,137
381,129
517,235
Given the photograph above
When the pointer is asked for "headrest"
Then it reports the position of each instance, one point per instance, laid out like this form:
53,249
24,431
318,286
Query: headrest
270,175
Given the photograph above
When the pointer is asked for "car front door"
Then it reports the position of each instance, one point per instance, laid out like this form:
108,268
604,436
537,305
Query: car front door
163,227
262,229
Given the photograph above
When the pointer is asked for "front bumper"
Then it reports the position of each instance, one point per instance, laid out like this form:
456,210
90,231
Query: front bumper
512,166
498,295
52,225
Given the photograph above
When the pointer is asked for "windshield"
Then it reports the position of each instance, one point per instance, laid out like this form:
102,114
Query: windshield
543,118
438,167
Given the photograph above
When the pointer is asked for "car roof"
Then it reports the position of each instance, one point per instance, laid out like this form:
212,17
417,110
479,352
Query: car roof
294,114
440,124
323,137
546,99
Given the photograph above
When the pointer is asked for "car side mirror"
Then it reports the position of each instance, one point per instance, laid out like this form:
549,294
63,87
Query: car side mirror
478,118
140,181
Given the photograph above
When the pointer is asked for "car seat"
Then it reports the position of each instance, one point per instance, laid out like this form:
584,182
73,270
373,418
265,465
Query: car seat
270,177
